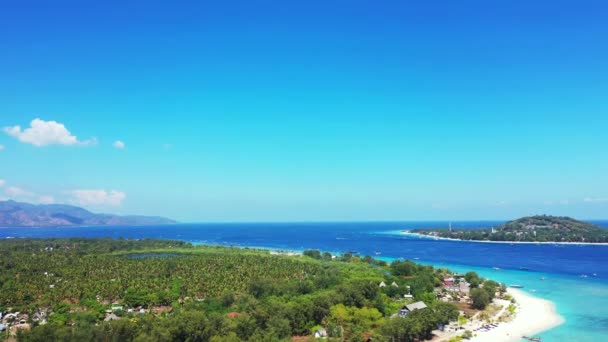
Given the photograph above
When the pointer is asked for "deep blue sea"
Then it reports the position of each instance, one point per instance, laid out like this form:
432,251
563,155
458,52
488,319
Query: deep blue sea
575,276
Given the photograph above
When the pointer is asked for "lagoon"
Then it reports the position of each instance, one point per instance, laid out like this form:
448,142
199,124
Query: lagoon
150,255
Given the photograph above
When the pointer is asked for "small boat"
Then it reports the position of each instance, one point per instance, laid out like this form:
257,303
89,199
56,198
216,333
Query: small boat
524,269
595,274
584,276
535,339
516,286
542,278
496,268
532,291
416,258
378,253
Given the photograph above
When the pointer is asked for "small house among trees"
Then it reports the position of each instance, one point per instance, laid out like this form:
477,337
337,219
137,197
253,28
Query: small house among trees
411,307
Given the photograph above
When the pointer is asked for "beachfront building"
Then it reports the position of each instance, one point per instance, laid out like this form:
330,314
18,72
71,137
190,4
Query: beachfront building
461,286
464,287
448,281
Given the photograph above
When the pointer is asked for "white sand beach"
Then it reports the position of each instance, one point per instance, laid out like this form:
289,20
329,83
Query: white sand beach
431,237
534,315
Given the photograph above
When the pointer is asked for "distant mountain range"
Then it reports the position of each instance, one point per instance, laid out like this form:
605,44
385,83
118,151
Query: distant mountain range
17,214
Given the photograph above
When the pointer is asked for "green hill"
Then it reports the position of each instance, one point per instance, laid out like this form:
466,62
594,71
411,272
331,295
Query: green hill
539,228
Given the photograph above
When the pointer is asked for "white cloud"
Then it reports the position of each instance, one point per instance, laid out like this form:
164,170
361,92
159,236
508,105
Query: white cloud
76,197
17,192
595,200
1,147
86,197
119,144
43,133
46,199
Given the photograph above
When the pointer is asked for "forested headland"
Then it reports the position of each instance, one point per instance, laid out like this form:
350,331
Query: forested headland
539,228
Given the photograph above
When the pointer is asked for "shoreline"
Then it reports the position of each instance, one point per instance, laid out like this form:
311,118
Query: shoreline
534,315
429,237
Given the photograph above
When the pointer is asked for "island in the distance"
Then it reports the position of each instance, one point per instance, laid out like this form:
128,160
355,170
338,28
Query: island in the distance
539,228
17,214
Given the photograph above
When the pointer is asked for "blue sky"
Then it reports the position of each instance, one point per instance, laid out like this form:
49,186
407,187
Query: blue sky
310,110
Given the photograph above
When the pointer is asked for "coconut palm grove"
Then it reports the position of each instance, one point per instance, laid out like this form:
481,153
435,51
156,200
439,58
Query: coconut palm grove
163,290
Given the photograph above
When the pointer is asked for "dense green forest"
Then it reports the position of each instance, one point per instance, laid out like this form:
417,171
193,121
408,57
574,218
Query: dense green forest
541,228
85,290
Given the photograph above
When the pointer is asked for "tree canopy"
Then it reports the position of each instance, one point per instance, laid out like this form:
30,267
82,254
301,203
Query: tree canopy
205,293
